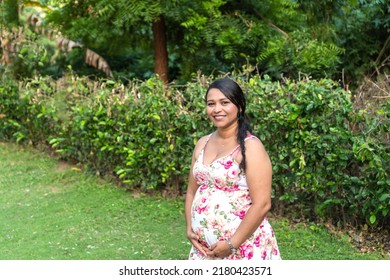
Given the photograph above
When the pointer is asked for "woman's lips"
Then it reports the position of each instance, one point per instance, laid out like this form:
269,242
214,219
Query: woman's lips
218,117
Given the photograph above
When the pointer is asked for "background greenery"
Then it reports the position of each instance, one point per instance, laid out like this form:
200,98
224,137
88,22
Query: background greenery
51,210
330,161
118,86
342,40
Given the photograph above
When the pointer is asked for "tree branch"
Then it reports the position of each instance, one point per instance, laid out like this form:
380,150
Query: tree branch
382,51
270,23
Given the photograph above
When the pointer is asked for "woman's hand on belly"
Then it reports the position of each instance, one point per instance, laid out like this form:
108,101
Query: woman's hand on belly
197,243
219,250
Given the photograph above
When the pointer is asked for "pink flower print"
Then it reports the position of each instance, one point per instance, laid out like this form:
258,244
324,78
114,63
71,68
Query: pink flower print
202,188
240,214
202,207
201,177
219,183
232,174
246,250
257,241
233,257
213,224
264,255
227,164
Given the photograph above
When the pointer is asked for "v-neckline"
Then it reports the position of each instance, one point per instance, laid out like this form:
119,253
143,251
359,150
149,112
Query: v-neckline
217,159
222,157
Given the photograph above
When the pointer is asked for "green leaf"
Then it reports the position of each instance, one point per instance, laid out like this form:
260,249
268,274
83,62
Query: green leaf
384,197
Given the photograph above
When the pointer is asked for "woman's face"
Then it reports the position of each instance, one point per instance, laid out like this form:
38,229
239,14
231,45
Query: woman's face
220,110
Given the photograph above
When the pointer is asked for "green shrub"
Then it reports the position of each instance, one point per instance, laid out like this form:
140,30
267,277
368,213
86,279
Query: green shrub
304,126
12,111
322,166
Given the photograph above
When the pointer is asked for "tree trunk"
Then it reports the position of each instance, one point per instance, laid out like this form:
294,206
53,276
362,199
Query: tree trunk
160,49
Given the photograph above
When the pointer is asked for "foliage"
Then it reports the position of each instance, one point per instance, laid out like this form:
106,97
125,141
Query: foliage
329,160
230,34
317,157
9,13
27,53
34,57
366,40
299,54
372,121
11,110
115,28
282,38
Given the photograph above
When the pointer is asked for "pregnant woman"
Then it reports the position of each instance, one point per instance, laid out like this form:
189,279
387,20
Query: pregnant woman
229,190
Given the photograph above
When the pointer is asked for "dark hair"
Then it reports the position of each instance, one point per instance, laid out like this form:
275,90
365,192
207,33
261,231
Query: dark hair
235,94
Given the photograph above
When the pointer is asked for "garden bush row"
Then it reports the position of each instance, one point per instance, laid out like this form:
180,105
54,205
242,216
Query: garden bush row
330,160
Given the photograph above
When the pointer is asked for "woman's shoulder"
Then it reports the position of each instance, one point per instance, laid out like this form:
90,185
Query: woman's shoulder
203,140
200,144
254,145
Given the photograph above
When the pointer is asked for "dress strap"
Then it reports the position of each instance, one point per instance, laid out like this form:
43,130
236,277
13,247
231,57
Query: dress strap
238,146
207,140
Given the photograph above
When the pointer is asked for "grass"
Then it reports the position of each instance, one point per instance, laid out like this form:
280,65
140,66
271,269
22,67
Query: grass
51,211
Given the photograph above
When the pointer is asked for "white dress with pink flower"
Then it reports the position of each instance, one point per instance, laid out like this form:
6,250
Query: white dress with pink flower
220,204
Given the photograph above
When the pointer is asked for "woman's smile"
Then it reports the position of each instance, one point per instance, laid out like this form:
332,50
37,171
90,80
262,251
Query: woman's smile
220,109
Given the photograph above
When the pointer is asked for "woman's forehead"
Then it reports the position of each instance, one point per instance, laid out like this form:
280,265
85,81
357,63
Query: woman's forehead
215,94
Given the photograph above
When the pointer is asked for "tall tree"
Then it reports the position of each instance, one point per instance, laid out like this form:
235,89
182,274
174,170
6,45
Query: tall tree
116,26
160,49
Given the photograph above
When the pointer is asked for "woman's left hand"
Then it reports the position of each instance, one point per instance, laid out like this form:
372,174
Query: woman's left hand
219,250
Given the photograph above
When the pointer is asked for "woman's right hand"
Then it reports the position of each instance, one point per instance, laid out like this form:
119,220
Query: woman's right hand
199,245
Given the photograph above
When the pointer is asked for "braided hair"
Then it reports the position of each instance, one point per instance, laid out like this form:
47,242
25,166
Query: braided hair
234,93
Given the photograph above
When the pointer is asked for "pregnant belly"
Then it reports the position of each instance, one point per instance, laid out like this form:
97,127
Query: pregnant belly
214,224
217,214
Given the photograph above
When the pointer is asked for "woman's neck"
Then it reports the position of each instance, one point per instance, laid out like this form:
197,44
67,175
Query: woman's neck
226,133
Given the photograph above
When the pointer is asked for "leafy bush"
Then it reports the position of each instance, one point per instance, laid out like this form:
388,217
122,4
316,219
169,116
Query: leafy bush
11,110
321,164
304,125
330,161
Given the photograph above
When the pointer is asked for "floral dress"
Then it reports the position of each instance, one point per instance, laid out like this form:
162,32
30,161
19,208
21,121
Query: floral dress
220,204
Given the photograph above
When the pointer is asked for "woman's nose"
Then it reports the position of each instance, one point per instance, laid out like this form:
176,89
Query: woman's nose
217,108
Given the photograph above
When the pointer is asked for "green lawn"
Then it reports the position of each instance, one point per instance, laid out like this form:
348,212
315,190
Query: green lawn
50,210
